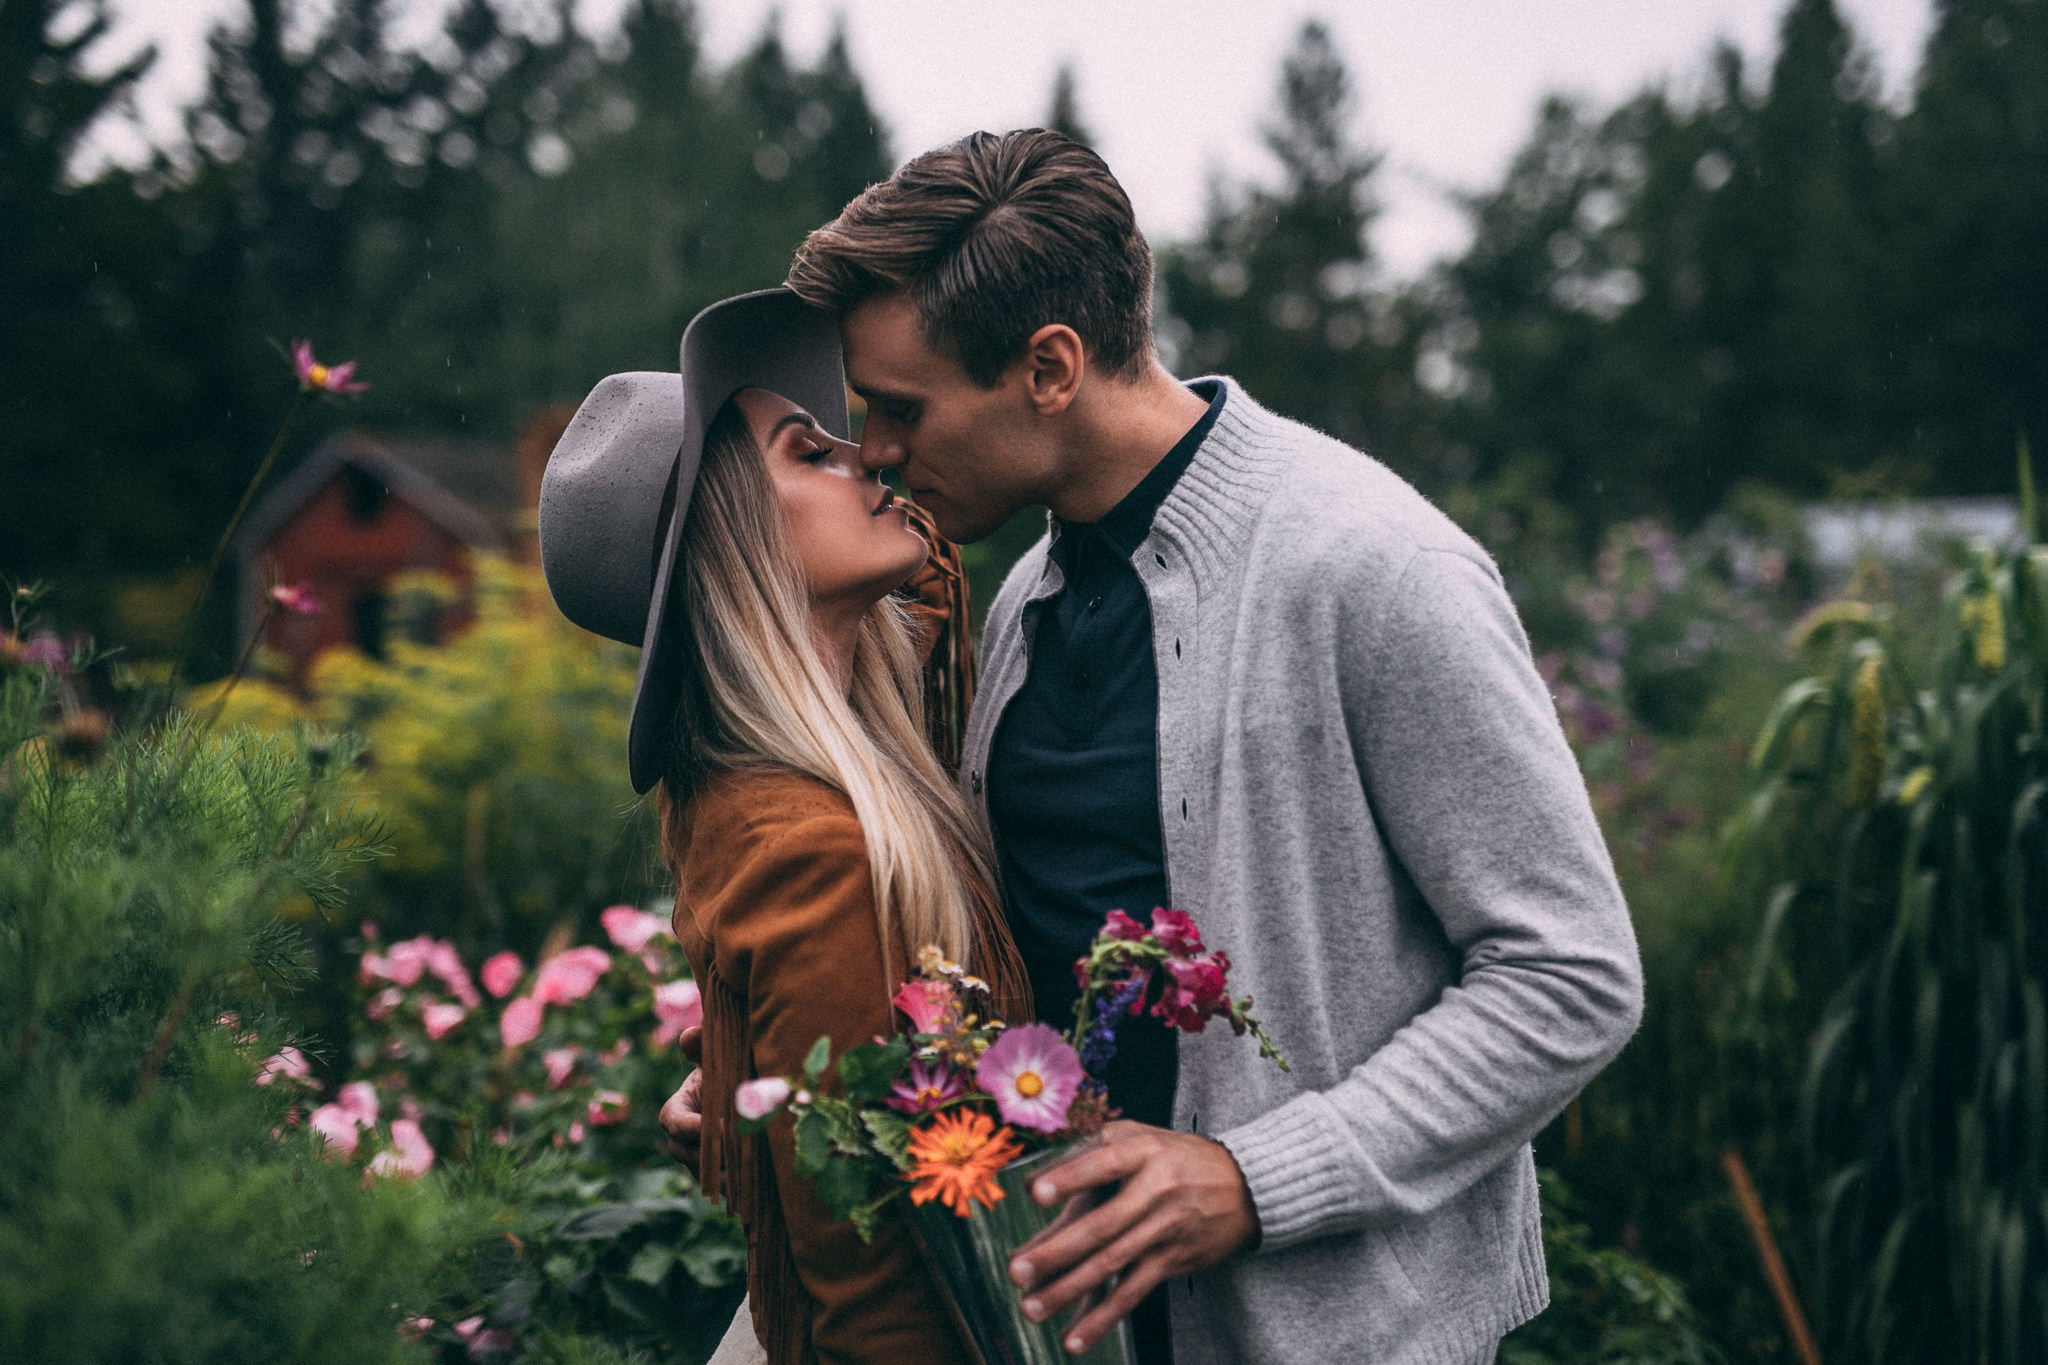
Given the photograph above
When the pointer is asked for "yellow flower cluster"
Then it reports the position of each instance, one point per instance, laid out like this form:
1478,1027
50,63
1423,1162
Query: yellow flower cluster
1866,726
1983,620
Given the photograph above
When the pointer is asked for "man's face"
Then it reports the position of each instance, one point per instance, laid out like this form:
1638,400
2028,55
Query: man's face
970,456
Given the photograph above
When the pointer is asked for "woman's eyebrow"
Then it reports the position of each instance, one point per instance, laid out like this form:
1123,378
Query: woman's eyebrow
803,419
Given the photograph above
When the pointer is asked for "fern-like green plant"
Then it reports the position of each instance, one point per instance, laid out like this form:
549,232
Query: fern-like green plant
1898,840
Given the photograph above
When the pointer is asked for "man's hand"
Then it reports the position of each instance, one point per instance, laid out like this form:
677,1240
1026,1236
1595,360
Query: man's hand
682,1117
1182,1207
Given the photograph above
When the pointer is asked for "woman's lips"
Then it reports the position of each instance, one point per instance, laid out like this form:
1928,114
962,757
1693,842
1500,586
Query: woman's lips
888,501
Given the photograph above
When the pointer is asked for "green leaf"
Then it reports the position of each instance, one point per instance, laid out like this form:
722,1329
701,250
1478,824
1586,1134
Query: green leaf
891,1133
820,1057
842,1186
652,1263
866,1072
813,1144
598,1221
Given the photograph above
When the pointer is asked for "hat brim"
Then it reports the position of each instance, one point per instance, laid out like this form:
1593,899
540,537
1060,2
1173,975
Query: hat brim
769,340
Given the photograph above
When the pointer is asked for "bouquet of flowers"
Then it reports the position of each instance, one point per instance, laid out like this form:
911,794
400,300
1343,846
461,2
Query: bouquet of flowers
952,1110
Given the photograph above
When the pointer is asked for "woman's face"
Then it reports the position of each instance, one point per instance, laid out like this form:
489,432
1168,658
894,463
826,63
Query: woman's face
852,542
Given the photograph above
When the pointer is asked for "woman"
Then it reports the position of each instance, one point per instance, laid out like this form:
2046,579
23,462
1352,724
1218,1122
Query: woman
815,838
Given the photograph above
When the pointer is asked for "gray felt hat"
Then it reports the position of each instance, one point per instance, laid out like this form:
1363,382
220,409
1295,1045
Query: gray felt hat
619,481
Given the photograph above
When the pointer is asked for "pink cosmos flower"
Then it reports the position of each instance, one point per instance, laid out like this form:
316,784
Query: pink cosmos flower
925,1002
758,1099
440,1018
409,1156
925,1088
607,1107
501,973
561,1065
520,1024
1176,932
289,1064
677,1005
1034,1075
630,928
570,975
317,378
296,598
1194,992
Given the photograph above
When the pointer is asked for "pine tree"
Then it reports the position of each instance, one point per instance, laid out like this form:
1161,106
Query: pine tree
1063,115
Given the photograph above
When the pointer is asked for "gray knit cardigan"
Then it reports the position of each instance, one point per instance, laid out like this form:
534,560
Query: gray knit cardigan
1368,804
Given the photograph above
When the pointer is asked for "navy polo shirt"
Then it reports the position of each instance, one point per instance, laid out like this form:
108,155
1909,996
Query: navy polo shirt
1073,773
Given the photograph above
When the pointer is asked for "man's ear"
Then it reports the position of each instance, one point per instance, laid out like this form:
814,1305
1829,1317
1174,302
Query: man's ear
1054,363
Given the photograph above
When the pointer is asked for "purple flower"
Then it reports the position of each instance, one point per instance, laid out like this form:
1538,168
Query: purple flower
926,1088
1034,1076
317,378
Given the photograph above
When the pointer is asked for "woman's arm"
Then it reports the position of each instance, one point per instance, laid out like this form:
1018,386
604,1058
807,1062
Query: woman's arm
789,916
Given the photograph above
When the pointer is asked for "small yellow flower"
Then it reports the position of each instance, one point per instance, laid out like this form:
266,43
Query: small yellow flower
1983,619
1915,783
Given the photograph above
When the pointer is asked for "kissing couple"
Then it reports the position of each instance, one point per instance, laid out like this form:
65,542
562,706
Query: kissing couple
1247,672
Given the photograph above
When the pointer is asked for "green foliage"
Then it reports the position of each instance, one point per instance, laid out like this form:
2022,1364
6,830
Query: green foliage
1607,1307
1896,835
150,1206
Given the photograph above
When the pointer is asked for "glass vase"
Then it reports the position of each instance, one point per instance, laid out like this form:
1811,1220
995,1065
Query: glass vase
971,1257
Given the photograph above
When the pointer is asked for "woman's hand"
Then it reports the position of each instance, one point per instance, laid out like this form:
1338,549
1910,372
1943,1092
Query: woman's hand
682,1117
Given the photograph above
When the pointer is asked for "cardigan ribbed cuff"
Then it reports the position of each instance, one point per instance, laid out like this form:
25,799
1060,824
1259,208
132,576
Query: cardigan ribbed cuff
1300,1167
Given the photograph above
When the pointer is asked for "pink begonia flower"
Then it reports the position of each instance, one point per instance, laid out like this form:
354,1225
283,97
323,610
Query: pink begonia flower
525,1099
501,1136
616,1053
340,1129
409,1156
412,1329
576,1131
482,1339
289,1064
1121,926
501,973
629,928
758,1099
384,1004
446,965
1176,932
371,933
926,1088
561,1065
570,975
409,1108
395,1049
1194,992
925,1003
317,378
401,966
440,1018
677,1005
607,1107
296,598
1034,1075
520,1024
359,1098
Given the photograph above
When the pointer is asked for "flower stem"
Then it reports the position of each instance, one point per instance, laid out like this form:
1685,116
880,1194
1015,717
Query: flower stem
227,534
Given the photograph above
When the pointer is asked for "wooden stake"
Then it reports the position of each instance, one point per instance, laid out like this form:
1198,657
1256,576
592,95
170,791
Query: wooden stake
1767,1251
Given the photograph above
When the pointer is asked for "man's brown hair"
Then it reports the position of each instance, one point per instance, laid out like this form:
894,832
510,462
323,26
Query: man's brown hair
993,237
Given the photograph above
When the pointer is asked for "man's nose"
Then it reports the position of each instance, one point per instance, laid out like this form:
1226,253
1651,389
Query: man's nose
879,450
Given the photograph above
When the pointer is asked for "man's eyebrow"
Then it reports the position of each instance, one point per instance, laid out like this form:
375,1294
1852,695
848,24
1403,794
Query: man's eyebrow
882,395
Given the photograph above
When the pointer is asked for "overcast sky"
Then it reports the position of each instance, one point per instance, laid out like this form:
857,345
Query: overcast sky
1175,90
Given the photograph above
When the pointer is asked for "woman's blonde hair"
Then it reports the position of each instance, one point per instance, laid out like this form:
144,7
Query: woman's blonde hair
758,694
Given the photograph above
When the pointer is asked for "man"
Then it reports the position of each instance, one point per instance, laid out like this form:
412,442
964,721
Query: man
1251,674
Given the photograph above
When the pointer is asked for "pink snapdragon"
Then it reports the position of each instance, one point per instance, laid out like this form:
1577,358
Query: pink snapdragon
440,1018
1034,1075
677,1005
630,928
755,1100
501,973
925,1002
1176,932
1194,992
1118,925
570,975
409,1156
289,1064
520,1023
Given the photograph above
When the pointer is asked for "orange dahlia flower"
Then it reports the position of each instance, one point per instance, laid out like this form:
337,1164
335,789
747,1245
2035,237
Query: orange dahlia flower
955,1158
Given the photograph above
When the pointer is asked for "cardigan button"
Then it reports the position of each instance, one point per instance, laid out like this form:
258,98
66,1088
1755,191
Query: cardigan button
974,781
